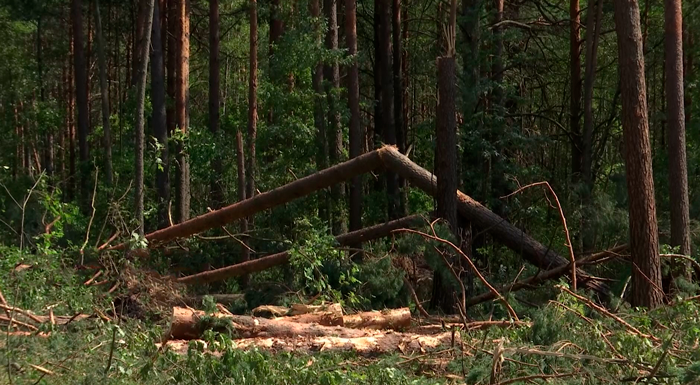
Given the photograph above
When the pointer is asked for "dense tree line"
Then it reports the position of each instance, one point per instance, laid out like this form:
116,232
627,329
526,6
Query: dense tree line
185,106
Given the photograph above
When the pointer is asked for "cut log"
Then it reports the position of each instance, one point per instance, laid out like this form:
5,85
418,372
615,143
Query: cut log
281,195
502,231
351,238
190,323
389,319
374,343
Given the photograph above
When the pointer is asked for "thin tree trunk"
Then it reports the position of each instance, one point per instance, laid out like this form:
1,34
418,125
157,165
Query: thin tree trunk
140,107
182,92
644,241
217,193
160,127
593,28
240,160
324,209
575,88
104,92
387,103
170,63
398,98
675,115
335,133
355,118
252,101
81,91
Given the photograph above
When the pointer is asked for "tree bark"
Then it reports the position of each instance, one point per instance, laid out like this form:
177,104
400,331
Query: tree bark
81,93
347,239
160,124
644,242
104,93
675,115
182,92
398,80
355,130
593,28
387,102
217,193
335,134
140,107
324,209
240,160
575,88
252,101
170,63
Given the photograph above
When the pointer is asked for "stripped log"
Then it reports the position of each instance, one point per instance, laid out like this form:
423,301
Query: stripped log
190,324
352,238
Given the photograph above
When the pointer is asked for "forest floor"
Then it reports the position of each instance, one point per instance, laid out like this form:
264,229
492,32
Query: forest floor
567,340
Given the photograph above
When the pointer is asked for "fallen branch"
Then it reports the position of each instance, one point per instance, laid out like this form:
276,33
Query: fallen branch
604,312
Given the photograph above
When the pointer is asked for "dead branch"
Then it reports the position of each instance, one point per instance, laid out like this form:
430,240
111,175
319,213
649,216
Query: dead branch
471,265
563,221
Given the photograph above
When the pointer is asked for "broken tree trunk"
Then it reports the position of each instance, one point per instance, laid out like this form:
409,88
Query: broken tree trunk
504,232
352,238
281,195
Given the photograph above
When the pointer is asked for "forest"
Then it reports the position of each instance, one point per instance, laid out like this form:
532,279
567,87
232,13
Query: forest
349,191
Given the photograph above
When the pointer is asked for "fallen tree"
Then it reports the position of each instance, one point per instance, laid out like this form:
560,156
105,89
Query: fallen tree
502,231
252,266
188,323
389,157
281,195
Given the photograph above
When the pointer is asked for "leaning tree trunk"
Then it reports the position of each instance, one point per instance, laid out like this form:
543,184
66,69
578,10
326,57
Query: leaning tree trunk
677,163
644,241
160,124
140,107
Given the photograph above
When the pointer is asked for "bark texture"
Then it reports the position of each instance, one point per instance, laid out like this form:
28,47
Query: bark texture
356,134
81,97
160,127
140,109
104,97
675,114
644,241
252,101
182,93
217,193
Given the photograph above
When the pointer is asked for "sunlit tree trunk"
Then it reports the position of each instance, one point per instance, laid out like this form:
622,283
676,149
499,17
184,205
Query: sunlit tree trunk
252,101
355,118
217,193
182,92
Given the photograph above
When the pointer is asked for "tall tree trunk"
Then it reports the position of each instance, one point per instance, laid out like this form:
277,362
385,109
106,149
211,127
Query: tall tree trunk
575,80
140,107
217,192
160,126
170,63
355,118
675,115
644,241
378,118
324,209
446,171
104,93
182,94
81,93
139,39
48,136
335,133
70,130
252,101
387,102
593,27
240,162
276,31
398,79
